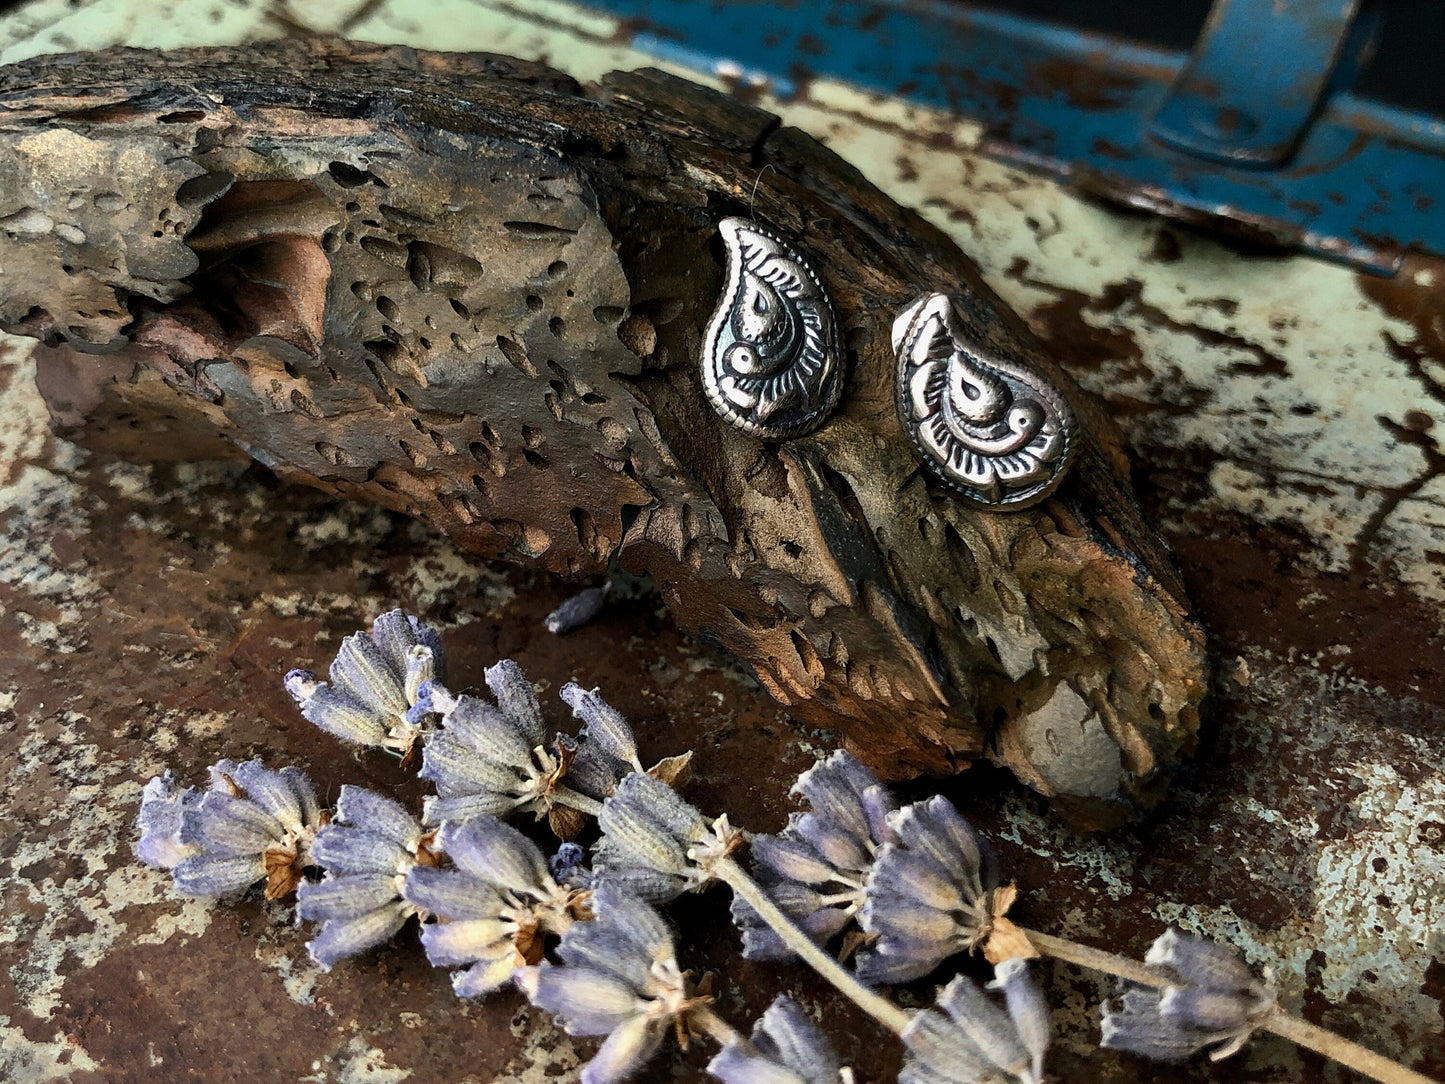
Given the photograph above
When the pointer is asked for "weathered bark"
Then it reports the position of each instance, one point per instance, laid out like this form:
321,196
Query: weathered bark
468,289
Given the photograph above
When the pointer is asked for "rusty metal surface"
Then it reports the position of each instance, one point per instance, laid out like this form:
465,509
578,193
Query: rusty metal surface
1284,416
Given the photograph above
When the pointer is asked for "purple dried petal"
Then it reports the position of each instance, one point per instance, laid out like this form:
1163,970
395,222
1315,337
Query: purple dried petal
1132,1023
1207,1010
272,791
585,1002
396,633
162,806
594,772
451,893
348,937
1199,961
341,716
987,1026
223,824
626,1050
345,897
1027,1008
788,1048
839,846
576,611
487,976
375,813
566,861
452,944
935,829
351,850
792,859
362,672
878,803
457,768
646,884
832,788
465,807
489,732
936,1043
903,873
498,854
218,875
605,724
738,1063
517,699
645,823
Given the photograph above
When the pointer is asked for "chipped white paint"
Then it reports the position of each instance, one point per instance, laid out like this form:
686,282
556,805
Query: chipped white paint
26,1062
547,1055
359,1063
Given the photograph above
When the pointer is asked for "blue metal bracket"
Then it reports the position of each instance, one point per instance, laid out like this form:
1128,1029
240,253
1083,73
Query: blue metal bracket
1353,179
1258,74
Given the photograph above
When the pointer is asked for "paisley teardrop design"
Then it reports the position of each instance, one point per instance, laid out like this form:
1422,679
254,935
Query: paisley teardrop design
770,362
997,431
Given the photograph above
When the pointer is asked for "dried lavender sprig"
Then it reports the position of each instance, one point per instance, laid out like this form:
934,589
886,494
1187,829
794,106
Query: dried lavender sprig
817,868
492,760
785,1048
970,1039
874,1004
1191,993
619,977
376,681
253,823
494,907
367,852
657,844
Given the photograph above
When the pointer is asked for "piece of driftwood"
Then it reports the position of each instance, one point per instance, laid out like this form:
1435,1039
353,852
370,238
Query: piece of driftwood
471,290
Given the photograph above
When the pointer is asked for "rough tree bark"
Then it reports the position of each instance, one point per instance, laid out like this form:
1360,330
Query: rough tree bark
471,290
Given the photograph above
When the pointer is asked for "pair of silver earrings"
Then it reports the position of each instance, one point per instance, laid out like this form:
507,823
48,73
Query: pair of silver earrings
996,431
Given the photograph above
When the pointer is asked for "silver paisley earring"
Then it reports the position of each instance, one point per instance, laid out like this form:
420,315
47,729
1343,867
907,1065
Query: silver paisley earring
770,360
996,431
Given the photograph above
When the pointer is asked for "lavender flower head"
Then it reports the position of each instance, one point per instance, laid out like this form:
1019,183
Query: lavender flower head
619,977
492,760
1211,1000
933,892
974,1040
251,824
786,1048
655,844
816,870
494,907
377,680
367,851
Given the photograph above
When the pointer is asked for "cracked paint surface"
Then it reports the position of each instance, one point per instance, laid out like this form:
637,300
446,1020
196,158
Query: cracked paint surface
1282,413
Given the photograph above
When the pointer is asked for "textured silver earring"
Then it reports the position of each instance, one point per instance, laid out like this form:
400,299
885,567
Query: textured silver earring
997,431
770,359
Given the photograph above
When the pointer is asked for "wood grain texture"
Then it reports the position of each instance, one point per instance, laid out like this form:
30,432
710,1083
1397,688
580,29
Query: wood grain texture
469,289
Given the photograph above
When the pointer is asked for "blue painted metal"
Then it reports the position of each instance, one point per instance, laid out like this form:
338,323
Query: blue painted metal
1258,74
1361,185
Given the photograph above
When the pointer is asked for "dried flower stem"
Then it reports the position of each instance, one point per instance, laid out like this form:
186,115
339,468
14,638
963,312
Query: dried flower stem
1061,948
580,802
1322,1041
1301,1032
875,1005
714,1026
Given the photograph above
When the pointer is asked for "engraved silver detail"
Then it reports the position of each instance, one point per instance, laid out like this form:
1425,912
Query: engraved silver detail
995,430
770,361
